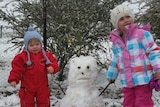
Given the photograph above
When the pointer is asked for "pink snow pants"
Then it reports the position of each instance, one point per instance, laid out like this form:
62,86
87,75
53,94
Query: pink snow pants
138,96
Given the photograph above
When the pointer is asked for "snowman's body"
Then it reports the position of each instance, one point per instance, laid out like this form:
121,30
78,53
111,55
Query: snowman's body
82,91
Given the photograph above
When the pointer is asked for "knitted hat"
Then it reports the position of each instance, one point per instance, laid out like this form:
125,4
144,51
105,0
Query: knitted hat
32,34
118,12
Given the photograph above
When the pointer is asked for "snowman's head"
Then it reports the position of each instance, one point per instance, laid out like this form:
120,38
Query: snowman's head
82,71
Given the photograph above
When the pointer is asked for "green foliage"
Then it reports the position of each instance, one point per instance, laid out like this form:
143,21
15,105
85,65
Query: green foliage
151,15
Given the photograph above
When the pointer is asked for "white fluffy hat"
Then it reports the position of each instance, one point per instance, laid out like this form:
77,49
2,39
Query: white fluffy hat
118,12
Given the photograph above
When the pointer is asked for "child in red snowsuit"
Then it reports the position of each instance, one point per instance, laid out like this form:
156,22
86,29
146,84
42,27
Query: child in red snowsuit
30,68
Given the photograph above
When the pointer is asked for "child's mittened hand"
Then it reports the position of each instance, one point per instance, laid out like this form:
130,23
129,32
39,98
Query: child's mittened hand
50,69
13,84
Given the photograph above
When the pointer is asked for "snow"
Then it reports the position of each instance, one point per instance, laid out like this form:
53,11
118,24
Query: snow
6,55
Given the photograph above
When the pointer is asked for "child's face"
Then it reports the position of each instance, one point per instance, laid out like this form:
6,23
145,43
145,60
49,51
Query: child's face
123,21
34,46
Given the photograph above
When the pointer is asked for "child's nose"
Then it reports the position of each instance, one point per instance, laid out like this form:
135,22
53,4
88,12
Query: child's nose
125,19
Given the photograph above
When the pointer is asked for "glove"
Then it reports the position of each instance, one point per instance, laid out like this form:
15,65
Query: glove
155,84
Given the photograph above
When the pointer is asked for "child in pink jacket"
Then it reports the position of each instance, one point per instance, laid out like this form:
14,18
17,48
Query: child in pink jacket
30,68
136,57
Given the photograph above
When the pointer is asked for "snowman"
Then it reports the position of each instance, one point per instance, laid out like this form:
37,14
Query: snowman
81,90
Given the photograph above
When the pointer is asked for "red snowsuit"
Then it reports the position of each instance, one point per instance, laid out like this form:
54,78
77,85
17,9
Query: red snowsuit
34,80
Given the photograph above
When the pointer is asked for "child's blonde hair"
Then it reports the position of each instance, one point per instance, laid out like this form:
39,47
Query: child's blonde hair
33,40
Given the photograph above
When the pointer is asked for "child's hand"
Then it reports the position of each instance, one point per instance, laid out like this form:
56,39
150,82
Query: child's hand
50,69
111,81
157,75
13,84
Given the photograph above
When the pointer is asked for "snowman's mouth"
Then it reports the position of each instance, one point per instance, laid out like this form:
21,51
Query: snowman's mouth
83,78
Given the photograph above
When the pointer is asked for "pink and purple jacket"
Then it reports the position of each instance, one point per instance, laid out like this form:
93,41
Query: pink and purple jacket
136,58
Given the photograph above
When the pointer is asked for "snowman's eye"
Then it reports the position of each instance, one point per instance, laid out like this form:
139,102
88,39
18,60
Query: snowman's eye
79,67
88,67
